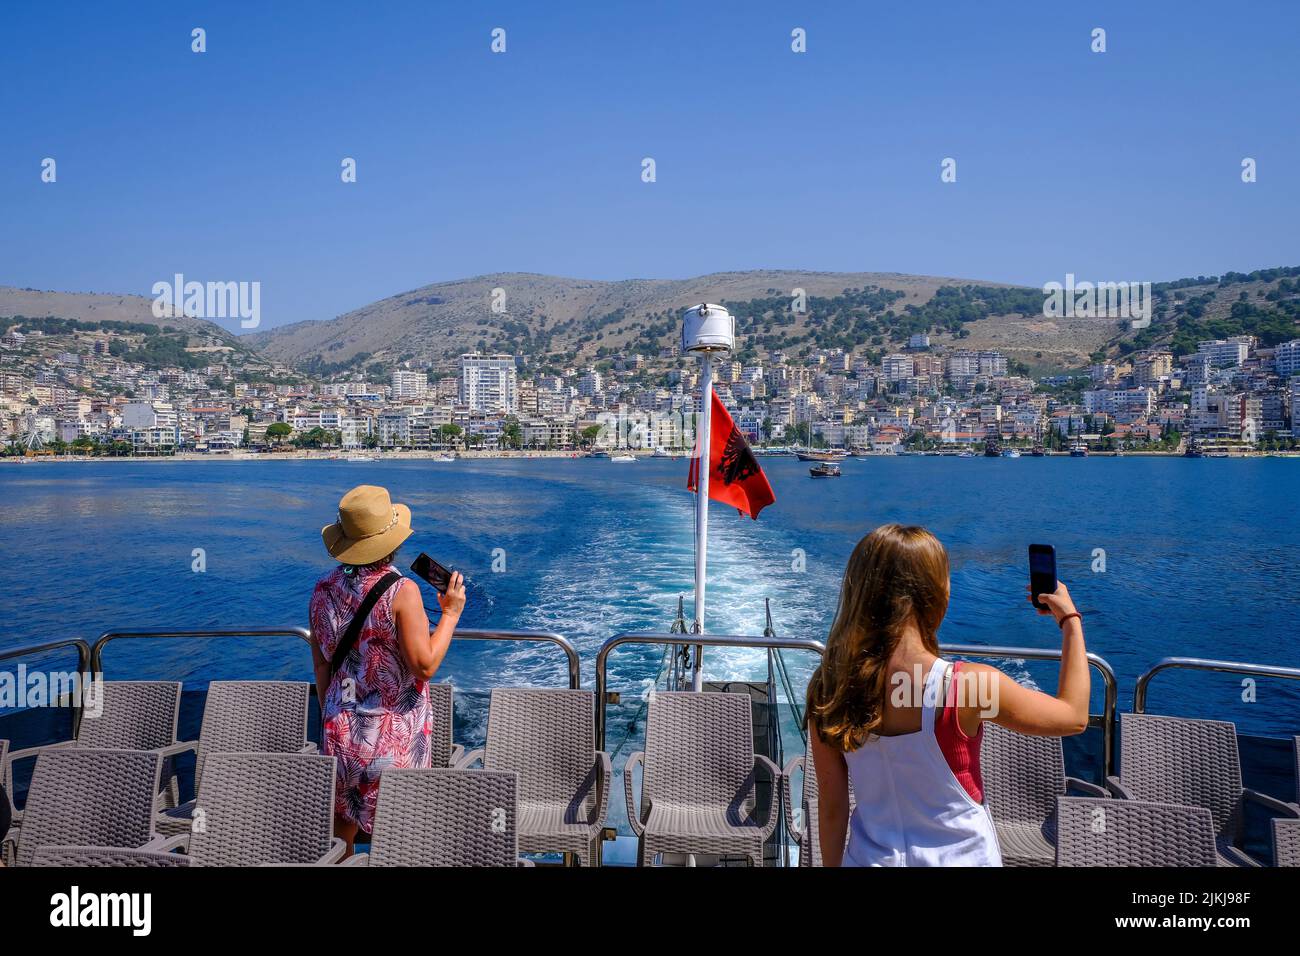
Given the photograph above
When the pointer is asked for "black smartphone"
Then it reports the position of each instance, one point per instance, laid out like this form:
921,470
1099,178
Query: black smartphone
433,572
1042,571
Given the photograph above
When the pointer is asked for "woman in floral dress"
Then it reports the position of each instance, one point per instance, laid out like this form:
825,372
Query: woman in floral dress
375,709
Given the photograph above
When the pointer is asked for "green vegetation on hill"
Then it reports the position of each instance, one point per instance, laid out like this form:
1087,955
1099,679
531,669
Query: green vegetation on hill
51,325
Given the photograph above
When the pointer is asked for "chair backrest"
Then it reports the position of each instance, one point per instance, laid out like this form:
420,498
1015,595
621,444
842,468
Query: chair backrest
437,817
546,736
114,856
1297,770
1022,775
440,741
133,715
252,717
263,808
85,796
1099,832
1185,761
699,748
1286,842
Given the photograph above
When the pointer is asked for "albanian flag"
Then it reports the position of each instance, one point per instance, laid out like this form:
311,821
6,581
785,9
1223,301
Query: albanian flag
734,476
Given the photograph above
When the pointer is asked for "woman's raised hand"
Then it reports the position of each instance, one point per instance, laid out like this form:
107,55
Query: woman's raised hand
453,602
1058,603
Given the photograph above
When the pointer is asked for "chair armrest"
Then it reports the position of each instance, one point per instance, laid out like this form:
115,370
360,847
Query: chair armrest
772,815
633,815
1280,808
334,853
1091,789
604,777
522,862
168,844
787,793
177,748
1117,789
456,756
9,847
309,748
357,859
27,753
469,758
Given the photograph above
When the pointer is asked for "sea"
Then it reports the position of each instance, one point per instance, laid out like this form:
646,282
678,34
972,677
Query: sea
1164,557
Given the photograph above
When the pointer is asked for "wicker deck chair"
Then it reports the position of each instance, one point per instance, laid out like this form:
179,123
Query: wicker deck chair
1023,776
83,795
806,837
132,715
443,753
439,817
1093,832
546,736
1193,763
262,808
699,774
243,717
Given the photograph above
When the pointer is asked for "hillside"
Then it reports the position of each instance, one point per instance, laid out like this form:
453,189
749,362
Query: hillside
551,320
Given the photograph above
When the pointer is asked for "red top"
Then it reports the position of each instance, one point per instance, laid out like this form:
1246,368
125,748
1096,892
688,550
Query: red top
960,750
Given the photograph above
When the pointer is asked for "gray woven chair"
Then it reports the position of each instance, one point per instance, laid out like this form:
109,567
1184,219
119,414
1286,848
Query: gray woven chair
438,817
262,808
1193,763
546,736
443,753
112,856
83,795
1286,842
698,779
133,715
807,836
243,717
1023,776
1093,832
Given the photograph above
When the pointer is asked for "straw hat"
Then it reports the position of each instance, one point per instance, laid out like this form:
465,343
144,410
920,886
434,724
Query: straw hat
370,526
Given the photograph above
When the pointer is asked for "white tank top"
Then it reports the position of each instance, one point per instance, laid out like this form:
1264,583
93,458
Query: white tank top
911,809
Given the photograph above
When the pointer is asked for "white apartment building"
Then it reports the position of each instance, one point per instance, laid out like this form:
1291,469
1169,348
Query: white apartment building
407,384
1295,407
1286,359
489,383
1226,353
897,367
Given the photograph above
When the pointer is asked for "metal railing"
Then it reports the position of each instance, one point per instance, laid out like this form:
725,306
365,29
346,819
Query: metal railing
83,667
544,637
1203,664
1110,701
97,650
705,640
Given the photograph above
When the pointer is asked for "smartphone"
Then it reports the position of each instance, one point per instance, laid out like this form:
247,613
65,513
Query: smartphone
1042,571
433,572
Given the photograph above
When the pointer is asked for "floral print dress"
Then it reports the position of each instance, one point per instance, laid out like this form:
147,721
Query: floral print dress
377,713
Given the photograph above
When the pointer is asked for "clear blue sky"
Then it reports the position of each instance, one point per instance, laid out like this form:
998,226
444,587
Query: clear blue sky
225,165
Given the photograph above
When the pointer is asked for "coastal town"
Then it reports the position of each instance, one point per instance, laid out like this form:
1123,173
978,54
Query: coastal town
91,392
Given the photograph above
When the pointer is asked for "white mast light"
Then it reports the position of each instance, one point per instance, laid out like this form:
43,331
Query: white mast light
708,328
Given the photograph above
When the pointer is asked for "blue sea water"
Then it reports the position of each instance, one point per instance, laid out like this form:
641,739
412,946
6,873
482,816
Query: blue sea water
1200,559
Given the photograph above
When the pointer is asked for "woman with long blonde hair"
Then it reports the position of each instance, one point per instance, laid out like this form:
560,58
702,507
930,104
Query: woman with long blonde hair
888,713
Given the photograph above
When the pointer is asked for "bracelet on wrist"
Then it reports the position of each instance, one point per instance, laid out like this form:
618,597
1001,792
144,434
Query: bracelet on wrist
1061,622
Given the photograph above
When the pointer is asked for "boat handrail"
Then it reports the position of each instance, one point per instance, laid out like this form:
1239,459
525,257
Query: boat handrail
697,640
470,634
1205,664
544,637
83,666
97,649
1110,703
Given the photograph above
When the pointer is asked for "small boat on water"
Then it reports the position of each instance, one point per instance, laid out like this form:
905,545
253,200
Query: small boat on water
1010,453
824,470
1078,449
967,454
361,458
445,458
831,455
660,453
623,458
1038,451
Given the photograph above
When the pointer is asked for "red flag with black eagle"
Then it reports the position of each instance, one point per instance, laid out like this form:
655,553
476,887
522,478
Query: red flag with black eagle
734,475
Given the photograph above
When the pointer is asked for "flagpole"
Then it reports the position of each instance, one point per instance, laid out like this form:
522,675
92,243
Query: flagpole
703,447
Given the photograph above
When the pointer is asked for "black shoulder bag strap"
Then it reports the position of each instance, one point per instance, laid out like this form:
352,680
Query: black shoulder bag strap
359,619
